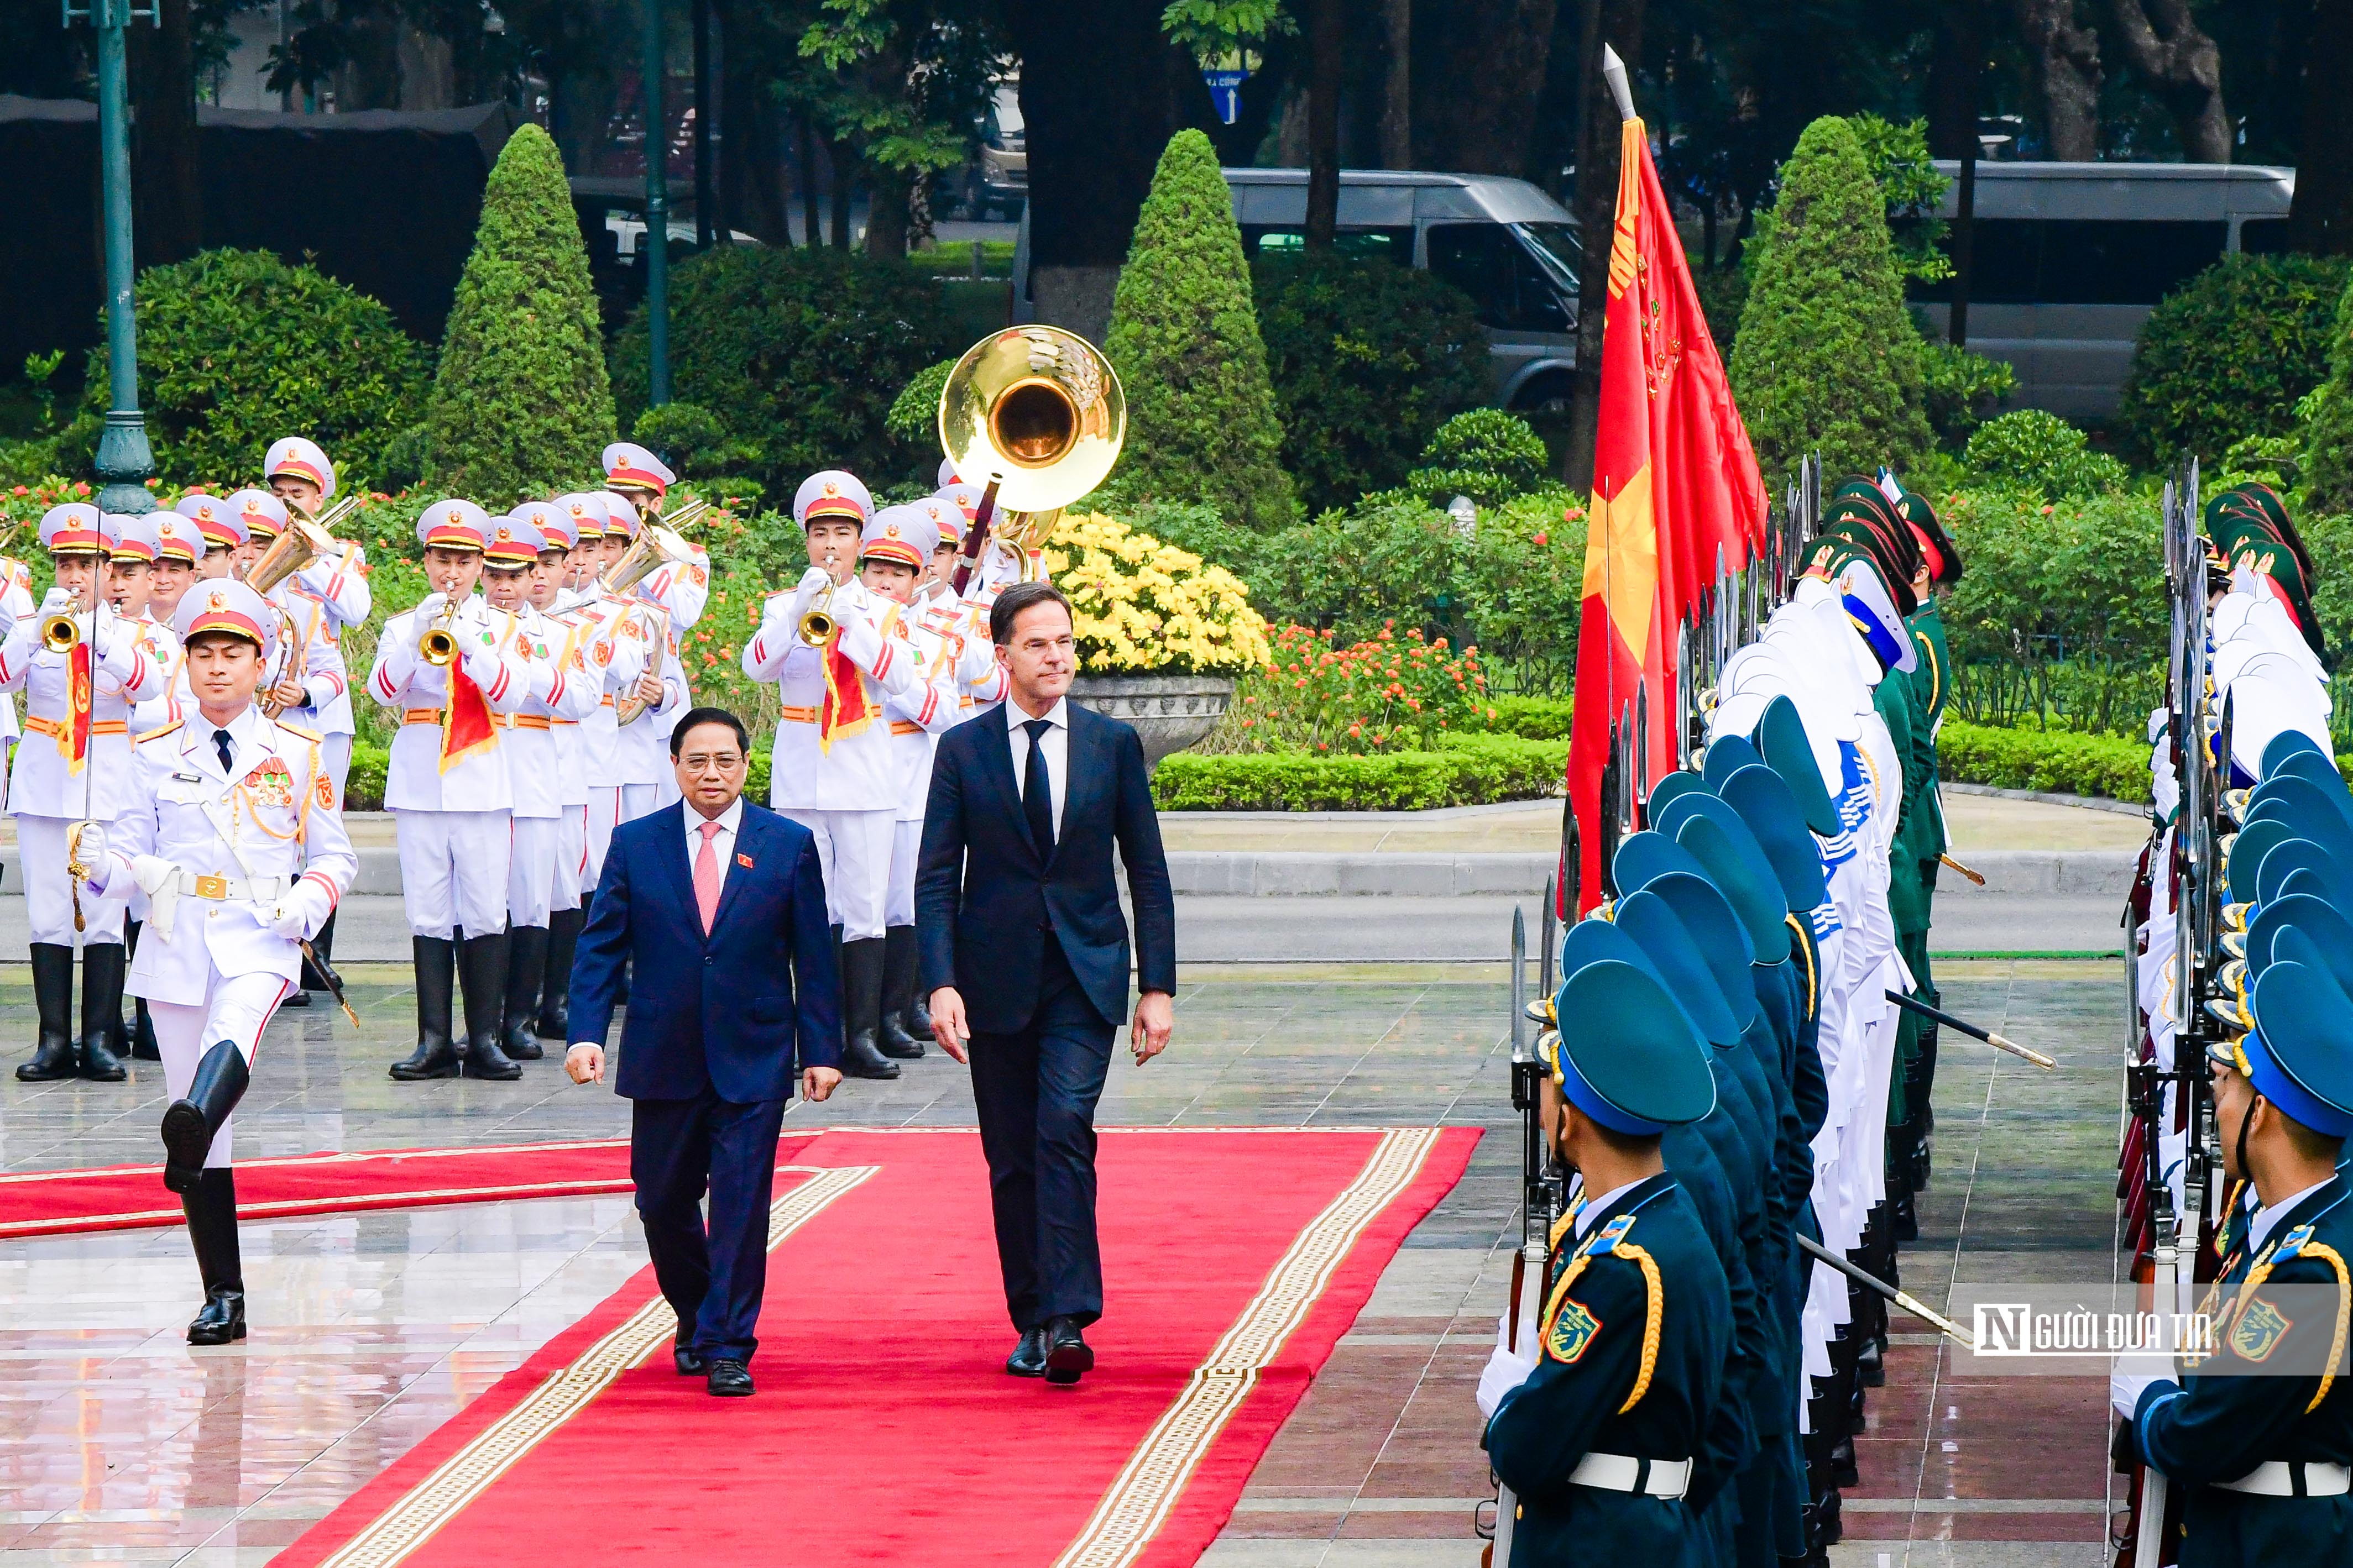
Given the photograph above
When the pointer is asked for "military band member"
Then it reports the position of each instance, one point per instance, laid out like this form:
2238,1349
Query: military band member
135,568
73,768
448,787
618,657
2262,1432
297,471
680,589
833,771
561,688
178,547
233,833
16,602
1599,1420
567,906
222,529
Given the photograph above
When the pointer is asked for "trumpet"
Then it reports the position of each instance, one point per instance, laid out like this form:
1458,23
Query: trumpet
817,623
60,633
437,644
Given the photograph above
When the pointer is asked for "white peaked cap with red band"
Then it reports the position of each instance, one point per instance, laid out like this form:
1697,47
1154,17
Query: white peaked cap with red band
218,518
77,527
178,538
300,457
554,521
258,512
453,524
906,534
628,466
136,538
621,514
585,508
835,493
226,605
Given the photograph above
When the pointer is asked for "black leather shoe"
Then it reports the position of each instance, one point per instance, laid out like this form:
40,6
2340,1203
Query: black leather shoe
1068,1354
298,998
728,1379
688,1360
1028,1357
222,1320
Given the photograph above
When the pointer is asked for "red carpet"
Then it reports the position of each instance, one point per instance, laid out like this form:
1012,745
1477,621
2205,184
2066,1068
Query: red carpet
885,1430
122,1197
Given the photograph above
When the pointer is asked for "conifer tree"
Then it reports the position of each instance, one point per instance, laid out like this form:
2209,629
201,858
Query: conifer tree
522,404
1184,338
1826,359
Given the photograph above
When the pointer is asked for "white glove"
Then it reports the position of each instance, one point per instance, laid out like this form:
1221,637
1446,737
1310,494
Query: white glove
89,849
860,642
2133,1375
291,918
56,601
428,610
1505,1368
813,580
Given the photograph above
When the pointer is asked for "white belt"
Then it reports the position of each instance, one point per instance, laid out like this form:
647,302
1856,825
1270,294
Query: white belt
2294,1478
235,890
1667,1479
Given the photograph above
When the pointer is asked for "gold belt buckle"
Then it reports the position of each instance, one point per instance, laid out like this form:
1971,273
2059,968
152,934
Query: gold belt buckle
212,887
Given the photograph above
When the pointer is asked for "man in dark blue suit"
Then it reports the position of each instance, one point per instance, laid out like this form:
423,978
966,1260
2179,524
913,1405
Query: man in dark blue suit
722,904
1025,954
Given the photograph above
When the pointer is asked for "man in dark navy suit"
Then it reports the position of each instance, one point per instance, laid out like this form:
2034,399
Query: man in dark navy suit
1025,954
722,904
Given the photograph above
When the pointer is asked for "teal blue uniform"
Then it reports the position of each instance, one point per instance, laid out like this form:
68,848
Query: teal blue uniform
2214,1427
1632,1348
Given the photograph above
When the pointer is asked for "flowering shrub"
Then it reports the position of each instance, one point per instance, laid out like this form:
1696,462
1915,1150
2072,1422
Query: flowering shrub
1388,693
1145,606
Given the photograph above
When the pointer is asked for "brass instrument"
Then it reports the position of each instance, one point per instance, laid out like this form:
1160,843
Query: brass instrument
1037,415
818,624
298,544
60,633
437,644
654,548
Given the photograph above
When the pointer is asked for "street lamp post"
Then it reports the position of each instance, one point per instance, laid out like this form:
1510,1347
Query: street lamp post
657,212
124,458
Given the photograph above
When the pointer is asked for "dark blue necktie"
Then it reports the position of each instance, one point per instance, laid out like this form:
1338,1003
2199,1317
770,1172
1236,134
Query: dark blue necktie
1037,791
227,749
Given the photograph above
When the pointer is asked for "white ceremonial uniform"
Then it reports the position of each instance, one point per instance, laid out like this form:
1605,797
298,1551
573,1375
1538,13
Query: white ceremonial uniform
217,851
843,787
17,601
325,599
620,646
454,824
919,717
642,745
534,762
46,793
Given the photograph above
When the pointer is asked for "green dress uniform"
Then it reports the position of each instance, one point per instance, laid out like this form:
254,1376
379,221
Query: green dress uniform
1606,1441
2268,1457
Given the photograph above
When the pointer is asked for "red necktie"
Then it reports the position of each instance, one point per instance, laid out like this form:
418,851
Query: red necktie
706,876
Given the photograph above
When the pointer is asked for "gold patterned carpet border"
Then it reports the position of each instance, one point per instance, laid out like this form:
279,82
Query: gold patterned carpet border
440,1497
1138,1502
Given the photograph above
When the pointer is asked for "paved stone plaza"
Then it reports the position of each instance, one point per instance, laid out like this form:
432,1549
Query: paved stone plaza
118,1444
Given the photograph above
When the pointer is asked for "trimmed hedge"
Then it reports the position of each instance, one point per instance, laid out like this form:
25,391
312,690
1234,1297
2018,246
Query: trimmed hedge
1468,770
1531,718
2226,355
2057,761
364,788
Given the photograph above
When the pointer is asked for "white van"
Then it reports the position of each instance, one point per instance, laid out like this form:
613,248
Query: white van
2068,260
1510,247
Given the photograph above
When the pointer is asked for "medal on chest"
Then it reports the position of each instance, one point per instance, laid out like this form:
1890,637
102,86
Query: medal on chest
270,784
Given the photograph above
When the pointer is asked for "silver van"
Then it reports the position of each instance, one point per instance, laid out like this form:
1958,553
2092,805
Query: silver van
1510,247
2068,260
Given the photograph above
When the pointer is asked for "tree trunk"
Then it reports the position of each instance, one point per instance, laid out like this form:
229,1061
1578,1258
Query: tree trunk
167,193
2163,42
1619,23
1397,87
2321,221
887,195
2067,70
812,230
1477,83
843,162
1955,62
1322,123
1101,95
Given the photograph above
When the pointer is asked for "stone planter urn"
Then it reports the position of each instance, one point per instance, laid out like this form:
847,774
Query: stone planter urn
1169,712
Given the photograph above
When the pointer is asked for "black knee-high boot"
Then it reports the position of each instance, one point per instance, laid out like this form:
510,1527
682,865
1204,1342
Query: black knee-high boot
54,1056
526,959
435,961
483,964
895,1038
102,1012
211,1207
554,1020
191,1121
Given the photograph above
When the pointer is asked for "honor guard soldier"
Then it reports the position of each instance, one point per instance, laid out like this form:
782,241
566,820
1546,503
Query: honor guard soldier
446,668
1599,1421
571,632
80,666
233,833
828,645
2261,1432
561,688
894,558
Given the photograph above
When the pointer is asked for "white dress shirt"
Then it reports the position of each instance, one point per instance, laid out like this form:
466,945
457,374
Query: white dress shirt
1058,752
2267,1218
723,843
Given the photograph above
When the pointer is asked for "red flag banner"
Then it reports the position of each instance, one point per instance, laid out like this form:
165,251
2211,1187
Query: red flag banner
850,703
1674,483
78,707
467,727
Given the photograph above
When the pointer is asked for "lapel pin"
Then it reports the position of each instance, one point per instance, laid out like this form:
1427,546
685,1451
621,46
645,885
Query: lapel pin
745,861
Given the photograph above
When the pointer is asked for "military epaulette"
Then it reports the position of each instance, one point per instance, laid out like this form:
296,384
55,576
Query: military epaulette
2292,1244
310,735
1610,1234
172,729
